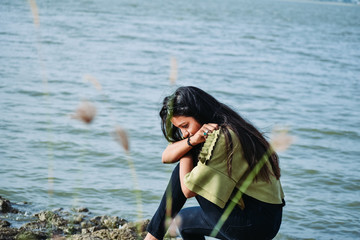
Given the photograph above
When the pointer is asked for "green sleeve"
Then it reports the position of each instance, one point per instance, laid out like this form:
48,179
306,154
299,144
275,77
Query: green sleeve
209,178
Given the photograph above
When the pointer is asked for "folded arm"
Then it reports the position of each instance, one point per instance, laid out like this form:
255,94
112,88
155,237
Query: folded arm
186,165
173,152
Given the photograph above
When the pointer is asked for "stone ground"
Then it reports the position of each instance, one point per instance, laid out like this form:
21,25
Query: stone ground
77,225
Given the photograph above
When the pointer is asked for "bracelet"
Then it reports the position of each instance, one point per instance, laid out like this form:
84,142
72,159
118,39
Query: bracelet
188,142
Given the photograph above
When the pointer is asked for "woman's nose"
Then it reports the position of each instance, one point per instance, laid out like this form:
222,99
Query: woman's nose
185,133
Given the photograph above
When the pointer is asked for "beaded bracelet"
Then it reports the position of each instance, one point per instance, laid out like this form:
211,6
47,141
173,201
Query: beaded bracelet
188,142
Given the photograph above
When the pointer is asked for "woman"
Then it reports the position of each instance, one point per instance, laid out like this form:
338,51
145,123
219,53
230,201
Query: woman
217,150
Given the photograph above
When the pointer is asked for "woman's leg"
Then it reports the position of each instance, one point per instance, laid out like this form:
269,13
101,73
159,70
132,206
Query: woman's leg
173,195
257,221
193,224
196,222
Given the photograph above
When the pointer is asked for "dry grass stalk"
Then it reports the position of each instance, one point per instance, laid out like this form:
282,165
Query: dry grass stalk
173,70
172,231
85,112
122,138
93,80
281,140
35,12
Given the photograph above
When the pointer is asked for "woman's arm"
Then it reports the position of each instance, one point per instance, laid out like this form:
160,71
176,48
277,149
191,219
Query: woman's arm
173,152
186,165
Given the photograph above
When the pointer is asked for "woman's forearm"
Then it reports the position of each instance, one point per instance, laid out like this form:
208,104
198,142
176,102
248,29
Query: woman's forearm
176,150
173,152
186,165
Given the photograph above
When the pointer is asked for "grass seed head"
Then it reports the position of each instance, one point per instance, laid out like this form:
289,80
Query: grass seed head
93,80
85,112
281,140
122,138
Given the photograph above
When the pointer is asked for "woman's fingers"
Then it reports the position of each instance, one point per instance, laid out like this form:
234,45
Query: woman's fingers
201,135
214,125
208,128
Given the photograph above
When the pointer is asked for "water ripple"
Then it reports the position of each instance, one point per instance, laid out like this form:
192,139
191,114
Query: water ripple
282,63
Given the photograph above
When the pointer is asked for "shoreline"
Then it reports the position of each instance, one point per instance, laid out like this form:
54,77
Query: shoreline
78,224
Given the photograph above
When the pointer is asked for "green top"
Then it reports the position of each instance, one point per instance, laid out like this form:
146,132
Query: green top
210,180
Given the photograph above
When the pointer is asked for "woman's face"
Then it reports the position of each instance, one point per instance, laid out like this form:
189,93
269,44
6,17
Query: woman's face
187,125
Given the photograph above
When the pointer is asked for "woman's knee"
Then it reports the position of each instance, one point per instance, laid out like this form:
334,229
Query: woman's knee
184,219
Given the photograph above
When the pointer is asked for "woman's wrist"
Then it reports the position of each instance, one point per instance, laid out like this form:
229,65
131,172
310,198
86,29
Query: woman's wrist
189,143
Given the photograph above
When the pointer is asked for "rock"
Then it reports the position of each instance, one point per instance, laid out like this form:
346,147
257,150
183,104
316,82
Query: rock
83,210
83,236
4,223
5,206
57,209
85,224
95,228
60,225
51,218
80,210
30,226
48,222
102,234
112,222
127,231
118,234
78,219
8,233
71,229
142,225
96,220
58,237
137,227
28,235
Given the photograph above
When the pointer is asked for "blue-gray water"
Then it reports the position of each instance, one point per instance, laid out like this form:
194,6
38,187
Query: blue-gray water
279,63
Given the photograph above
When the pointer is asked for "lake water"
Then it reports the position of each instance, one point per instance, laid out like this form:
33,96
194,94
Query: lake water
294,64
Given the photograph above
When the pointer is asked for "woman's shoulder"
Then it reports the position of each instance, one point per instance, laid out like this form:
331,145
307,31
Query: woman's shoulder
209,145
230,135
216,143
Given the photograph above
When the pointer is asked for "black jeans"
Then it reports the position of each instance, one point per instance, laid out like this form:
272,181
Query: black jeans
258,220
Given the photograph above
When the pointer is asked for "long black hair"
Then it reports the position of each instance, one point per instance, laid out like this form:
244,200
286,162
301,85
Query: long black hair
204,108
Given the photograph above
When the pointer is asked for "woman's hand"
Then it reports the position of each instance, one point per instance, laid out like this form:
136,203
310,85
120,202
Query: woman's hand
201,135
175,151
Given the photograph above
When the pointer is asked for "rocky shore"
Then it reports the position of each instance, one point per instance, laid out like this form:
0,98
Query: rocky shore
58,224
